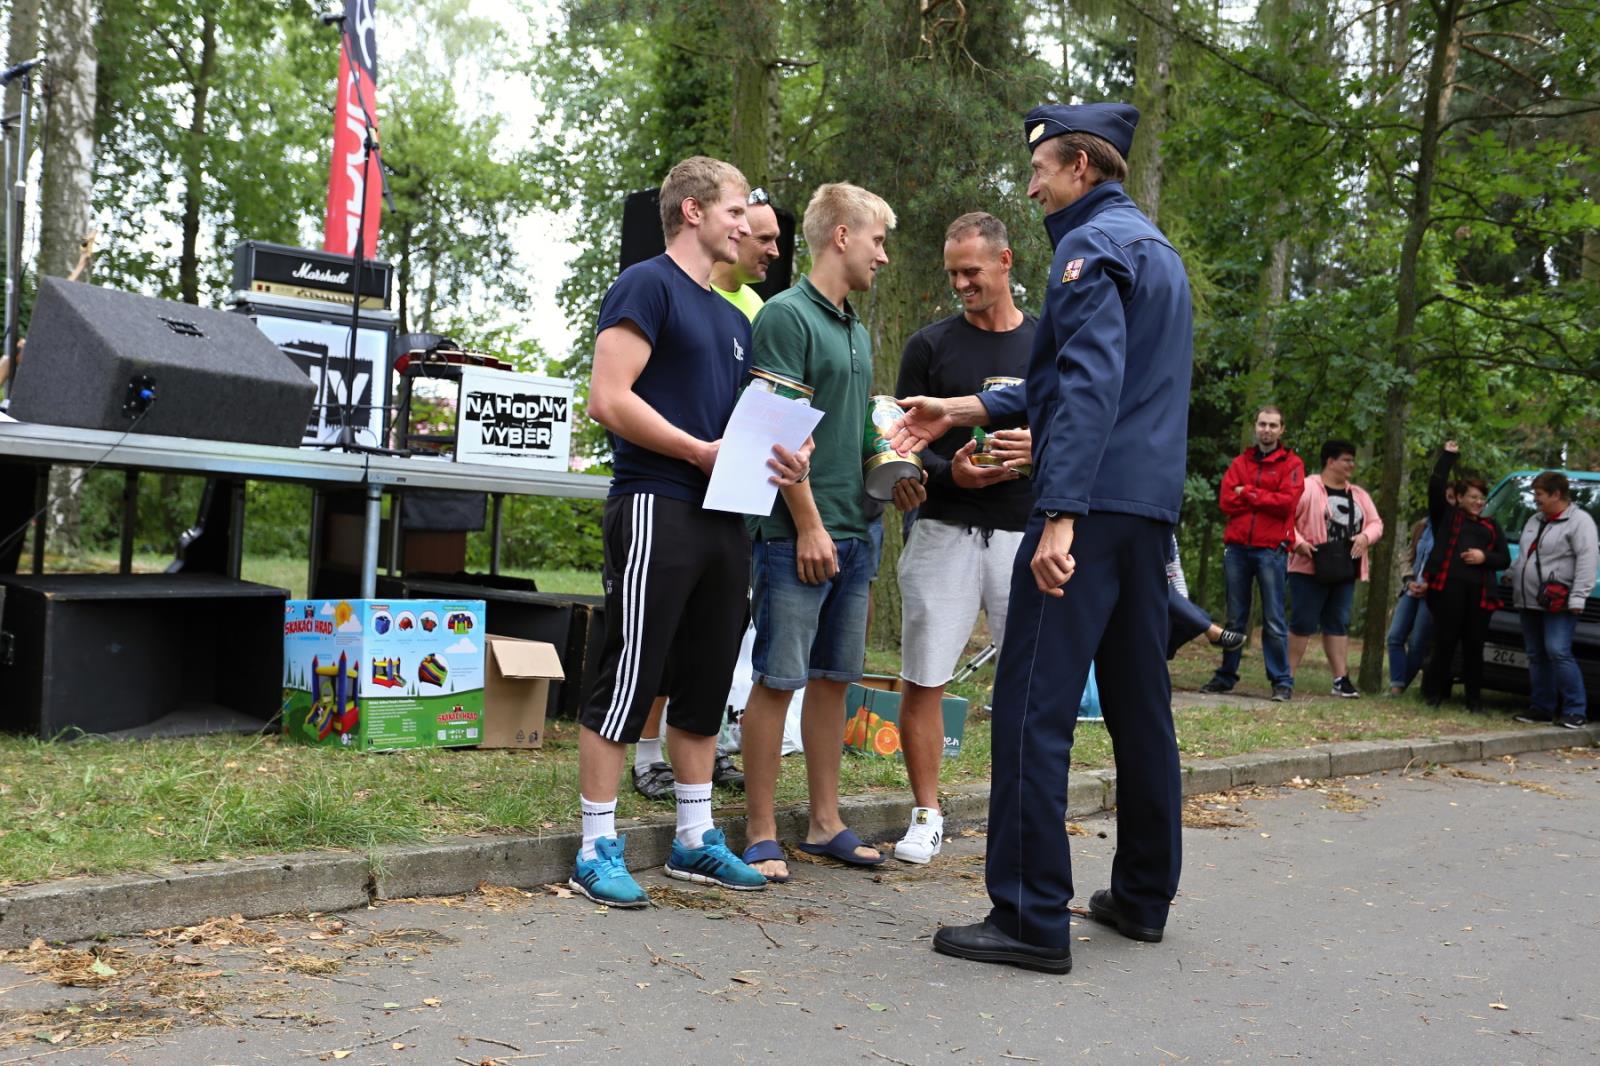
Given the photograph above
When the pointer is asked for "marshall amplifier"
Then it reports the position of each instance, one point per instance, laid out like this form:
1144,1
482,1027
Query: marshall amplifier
304,274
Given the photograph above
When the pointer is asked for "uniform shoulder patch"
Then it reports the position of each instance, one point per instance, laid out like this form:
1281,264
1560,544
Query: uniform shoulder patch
1074,268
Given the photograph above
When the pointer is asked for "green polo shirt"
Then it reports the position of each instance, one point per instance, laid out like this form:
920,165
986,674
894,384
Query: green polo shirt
746,299
803,336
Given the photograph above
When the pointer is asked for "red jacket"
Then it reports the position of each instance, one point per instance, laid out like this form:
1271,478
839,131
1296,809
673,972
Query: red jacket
1262,516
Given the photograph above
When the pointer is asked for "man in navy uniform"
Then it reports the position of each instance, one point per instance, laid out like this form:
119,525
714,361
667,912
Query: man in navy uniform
1107,397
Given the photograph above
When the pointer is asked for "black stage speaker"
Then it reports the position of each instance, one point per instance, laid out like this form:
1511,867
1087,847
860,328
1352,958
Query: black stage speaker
138,654
642,239
97,358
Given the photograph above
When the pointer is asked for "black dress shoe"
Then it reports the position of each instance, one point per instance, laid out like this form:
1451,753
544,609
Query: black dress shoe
1103,909
984,943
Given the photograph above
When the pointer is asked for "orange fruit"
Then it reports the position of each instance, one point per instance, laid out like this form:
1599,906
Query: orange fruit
886,741
855,731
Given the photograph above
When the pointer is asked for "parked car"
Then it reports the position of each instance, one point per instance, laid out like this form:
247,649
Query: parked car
1505,662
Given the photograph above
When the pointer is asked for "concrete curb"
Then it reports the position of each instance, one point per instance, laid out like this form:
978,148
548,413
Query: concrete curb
81,908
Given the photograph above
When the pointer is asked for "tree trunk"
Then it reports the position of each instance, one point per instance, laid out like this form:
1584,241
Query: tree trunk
1272,283
65,207
1590,268
1201,589
1063,34
68,142
194,164
752,122
1152,70
1272,287
1436,101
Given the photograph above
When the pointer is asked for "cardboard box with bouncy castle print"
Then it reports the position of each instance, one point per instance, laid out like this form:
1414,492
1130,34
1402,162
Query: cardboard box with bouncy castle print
381,675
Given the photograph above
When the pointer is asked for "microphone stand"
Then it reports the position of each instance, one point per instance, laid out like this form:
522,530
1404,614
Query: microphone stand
346,438
16,212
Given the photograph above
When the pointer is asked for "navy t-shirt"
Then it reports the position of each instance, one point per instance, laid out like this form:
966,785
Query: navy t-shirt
699,342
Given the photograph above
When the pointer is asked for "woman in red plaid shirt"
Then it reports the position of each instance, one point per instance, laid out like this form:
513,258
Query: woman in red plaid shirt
1468,550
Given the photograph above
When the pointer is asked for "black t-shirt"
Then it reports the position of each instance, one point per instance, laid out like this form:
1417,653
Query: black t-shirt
952,357
1344,515
698,345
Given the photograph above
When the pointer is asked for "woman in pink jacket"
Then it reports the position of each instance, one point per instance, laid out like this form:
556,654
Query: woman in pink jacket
1335,526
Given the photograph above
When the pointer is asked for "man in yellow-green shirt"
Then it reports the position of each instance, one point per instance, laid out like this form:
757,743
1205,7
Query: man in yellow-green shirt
757,252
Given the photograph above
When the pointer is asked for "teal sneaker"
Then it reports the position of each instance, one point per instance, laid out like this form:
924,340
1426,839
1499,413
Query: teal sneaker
713,864
605,878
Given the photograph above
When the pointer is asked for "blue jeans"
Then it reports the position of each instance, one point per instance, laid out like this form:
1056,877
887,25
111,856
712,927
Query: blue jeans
809,632
1267,568
1553,673
1410,634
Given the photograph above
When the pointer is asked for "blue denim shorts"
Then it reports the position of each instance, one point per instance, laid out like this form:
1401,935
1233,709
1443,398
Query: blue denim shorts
1313,605
809,632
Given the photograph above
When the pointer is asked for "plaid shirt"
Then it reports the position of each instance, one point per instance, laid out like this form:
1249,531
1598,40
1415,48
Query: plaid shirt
1489,592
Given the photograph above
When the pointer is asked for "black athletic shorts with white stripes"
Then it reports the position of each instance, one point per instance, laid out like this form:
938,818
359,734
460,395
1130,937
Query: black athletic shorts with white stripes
677,593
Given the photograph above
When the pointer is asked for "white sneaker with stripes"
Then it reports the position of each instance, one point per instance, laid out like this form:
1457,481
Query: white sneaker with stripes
923,838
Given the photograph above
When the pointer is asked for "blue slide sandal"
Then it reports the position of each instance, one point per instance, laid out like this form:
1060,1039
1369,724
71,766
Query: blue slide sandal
766,851
842,847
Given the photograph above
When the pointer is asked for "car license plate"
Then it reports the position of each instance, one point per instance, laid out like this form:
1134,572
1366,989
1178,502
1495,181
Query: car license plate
1505,656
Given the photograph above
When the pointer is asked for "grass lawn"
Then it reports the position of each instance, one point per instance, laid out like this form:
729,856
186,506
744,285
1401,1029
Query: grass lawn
95,807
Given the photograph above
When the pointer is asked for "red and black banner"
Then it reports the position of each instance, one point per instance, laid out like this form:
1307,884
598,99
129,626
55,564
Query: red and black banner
350,185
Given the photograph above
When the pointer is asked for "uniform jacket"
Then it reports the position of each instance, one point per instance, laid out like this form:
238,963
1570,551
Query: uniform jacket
1566,554
1108,380
1311,523
1262,516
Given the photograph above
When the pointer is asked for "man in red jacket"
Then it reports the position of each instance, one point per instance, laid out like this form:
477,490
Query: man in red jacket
1259,494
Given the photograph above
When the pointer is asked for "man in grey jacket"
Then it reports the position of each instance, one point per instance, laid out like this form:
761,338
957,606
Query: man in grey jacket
1550,582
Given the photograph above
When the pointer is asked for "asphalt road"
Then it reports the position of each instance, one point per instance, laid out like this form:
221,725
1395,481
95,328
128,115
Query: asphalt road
1443,916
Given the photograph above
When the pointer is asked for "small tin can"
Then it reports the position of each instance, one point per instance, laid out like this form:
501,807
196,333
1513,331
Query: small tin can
778,385
885,466
982,455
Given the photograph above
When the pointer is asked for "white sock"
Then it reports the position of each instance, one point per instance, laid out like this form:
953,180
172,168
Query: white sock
646,752
694,813
599,820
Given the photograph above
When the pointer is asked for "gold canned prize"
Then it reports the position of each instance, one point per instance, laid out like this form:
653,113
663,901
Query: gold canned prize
982,455
885,466
767,381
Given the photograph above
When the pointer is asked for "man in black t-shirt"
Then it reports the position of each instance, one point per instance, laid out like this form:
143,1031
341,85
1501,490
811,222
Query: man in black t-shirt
959,553
669,358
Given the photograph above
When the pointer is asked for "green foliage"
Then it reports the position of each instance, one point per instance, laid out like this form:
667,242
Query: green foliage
259,163
461,181
629,88
544,532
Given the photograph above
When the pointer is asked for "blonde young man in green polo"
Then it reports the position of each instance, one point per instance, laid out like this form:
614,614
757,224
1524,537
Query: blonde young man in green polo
813,556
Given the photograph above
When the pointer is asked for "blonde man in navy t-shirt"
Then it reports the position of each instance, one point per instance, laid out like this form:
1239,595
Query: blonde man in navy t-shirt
669,358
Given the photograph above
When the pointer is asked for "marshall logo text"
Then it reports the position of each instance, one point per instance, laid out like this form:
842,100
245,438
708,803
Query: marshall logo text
307,272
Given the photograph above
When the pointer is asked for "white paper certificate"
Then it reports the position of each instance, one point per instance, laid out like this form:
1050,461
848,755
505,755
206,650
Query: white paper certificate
760,420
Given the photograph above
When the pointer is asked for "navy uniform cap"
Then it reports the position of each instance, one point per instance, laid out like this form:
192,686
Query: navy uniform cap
1112,122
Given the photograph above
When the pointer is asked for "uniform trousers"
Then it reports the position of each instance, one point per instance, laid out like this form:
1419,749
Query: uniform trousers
1114,614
